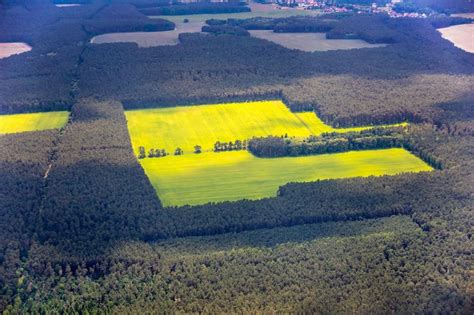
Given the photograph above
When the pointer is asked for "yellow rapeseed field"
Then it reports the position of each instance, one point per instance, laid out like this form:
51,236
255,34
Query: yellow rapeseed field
187,126
32,121
211,177
201,178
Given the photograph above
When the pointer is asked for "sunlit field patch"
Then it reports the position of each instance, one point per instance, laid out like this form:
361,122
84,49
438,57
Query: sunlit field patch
462,36
10,49
227,176
149,39
32,121
312,42
200,178
187,126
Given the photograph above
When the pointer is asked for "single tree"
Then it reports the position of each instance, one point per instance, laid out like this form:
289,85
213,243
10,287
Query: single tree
217,146
197,148
141,153
151,153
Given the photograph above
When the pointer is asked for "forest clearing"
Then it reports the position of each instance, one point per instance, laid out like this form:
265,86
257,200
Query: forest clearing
194,179
311,42
149,39
203,125
10,49
462,36
32,121
191,178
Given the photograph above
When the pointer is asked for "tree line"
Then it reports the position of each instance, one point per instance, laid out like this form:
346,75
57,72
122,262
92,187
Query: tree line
196,8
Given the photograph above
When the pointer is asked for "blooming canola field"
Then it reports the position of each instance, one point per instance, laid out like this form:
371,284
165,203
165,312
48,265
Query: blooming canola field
192,179
32,121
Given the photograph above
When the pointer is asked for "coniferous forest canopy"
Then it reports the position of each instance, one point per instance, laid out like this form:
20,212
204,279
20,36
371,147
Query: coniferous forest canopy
82,229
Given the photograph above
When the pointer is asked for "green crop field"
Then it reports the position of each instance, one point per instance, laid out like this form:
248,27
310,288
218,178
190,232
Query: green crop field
201,178
187,126
32,122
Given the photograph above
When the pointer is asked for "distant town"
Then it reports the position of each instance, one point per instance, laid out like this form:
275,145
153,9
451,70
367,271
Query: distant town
331,6
393,8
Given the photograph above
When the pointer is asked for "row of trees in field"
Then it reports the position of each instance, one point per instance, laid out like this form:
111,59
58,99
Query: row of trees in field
373,139
272,146
219,146
237,145
225,30
153,153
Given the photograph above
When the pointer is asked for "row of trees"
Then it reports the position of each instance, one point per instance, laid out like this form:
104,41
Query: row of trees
237,145
378,138
196,8
152,153
225,30
272,146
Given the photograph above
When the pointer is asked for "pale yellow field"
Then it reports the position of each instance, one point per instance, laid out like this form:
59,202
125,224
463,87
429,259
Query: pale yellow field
461,36
201,178
32,121
10,49
187,126
311,42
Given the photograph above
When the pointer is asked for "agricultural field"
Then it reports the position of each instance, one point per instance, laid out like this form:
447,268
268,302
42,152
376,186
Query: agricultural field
193,179
32,121
311,42
10,49
200,178
149,39
187,126
462,36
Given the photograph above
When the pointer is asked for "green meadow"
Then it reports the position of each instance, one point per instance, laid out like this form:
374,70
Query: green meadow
32,121
193,179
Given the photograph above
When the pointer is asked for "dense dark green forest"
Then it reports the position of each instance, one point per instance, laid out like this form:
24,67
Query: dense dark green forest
82,229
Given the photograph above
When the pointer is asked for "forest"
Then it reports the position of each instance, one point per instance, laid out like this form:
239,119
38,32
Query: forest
372,139
82,229
196,8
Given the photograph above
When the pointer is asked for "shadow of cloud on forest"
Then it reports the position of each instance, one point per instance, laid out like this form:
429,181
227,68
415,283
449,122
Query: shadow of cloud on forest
460,109
90,205
285,236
